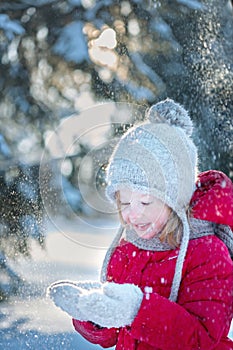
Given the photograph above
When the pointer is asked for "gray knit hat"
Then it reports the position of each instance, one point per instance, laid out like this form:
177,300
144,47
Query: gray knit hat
159,157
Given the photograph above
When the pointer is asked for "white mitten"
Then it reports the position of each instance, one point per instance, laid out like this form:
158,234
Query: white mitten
88,285
65,295
113,305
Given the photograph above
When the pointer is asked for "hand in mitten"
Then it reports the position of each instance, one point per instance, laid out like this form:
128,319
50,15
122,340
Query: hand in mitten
113,305
65,295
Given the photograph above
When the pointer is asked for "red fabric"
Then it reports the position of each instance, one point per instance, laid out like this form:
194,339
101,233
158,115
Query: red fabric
201,317
213,198
96,335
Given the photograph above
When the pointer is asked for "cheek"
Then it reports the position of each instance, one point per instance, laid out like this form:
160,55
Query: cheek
159,215
164,215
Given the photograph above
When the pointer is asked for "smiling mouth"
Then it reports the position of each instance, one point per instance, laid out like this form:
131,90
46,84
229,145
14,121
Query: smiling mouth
142,227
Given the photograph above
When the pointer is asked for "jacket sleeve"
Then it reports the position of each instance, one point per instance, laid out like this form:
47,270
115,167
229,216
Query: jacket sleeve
105,337
203,313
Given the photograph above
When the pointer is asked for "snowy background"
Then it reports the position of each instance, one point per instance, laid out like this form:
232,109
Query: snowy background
59,58
30,320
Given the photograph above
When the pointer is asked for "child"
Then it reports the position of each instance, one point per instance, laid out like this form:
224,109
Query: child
167,279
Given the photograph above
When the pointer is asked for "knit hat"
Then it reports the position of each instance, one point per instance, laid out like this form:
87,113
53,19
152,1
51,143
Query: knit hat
158,157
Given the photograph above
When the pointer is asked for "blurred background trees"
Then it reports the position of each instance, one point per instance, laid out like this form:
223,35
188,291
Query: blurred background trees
61,57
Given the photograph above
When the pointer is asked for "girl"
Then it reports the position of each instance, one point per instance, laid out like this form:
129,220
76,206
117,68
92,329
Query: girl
167,279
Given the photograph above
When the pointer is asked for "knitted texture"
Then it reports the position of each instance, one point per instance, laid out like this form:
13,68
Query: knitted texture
224,233
171,113
158,157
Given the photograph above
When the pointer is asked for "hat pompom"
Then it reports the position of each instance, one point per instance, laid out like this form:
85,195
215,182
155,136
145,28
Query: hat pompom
172,113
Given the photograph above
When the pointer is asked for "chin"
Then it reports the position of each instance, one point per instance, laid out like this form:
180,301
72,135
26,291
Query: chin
148,235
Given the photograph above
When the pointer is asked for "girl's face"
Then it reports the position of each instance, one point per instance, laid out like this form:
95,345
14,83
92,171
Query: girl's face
146,214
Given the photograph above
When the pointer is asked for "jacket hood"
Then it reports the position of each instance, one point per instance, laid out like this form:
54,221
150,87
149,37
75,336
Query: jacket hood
213,198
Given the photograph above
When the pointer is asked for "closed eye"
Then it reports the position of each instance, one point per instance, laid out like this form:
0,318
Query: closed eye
146,203
124,204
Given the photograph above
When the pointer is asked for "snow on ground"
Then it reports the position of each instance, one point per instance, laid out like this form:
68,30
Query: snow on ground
74,250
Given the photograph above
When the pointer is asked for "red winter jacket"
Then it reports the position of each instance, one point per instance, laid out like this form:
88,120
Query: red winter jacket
201,317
